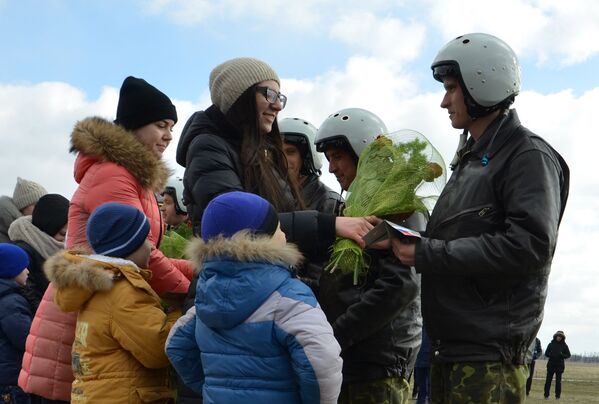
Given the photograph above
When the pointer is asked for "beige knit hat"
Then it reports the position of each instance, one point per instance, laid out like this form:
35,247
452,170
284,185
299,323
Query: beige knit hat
230,79
27,193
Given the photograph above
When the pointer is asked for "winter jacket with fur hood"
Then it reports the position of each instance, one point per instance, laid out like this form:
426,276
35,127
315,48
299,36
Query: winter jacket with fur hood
118,352
112,166
256,334
557,352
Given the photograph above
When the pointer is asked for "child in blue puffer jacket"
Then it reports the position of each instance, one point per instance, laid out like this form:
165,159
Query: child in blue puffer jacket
256,333
15,321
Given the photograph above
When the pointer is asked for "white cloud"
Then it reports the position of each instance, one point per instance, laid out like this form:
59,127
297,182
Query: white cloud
184,12
35,126
546,29
387,38
300,15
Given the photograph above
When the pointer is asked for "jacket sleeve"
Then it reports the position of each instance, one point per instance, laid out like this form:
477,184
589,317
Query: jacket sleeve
393,290
115,184
15,324
532,205
314,352
566,352
313,232
141,327
184,353
169,275
210,171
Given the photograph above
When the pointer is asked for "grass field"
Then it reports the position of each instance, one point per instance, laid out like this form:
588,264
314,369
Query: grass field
580,383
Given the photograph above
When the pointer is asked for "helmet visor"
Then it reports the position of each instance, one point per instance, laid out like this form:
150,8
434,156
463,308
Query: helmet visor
446,69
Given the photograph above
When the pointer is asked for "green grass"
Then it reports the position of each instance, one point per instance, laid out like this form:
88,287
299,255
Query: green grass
580,383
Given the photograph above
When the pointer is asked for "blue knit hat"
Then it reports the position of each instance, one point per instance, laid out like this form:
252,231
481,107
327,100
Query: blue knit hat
117,230
13,260
235,211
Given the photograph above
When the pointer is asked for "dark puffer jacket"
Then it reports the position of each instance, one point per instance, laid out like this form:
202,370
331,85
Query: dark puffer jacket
489,244
377,322
557,352
15,320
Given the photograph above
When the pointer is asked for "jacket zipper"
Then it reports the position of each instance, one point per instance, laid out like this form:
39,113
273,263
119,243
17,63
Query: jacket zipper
482,211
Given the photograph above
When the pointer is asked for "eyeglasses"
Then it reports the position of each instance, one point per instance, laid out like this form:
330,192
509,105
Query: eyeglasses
272,96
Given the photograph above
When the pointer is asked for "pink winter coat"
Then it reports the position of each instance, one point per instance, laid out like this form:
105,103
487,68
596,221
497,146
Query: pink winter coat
112,166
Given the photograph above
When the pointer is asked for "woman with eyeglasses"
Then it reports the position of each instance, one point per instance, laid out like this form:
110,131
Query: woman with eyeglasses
235,145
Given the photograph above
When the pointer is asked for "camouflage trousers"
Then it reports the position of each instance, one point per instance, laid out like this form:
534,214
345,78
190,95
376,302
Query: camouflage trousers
392,390
478,383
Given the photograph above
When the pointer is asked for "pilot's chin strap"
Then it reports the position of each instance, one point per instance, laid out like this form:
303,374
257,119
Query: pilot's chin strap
461,144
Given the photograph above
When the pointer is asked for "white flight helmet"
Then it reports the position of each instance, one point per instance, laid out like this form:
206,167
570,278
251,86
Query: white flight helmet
354,127
487,68
301,134
174,188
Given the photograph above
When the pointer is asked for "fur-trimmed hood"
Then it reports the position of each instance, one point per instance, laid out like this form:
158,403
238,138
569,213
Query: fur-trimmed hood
243,247
237,275
97,139
77,276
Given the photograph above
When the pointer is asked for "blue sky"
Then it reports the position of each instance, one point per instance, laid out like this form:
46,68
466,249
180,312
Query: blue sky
93,44
64,60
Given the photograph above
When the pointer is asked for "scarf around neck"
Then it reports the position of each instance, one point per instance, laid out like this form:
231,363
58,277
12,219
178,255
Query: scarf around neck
23,229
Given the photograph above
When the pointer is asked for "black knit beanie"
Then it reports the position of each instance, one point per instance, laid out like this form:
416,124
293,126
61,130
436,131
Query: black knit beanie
51,213
140,103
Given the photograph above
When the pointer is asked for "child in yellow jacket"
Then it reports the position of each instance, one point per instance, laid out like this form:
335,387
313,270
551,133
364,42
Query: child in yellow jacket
118,353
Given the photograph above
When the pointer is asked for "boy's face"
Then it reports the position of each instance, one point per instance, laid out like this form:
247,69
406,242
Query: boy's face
62,233
279,238
141,256
21,278
169,213
294,160
342,165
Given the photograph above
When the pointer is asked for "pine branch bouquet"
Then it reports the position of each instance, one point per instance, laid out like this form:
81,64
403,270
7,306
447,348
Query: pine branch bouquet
398,173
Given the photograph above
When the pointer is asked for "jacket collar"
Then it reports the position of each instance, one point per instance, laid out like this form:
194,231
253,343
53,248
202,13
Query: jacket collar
498,137
245,248
97,139
78,276
211,121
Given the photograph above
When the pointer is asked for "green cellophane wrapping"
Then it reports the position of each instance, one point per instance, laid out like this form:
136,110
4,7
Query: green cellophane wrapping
389,175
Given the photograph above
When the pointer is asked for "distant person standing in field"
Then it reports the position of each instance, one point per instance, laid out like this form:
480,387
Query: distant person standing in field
535,350
557,351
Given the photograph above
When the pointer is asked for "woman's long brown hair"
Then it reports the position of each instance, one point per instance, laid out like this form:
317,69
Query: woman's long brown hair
262,155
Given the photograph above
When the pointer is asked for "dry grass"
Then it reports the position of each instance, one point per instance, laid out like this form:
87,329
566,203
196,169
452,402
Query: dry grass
580,383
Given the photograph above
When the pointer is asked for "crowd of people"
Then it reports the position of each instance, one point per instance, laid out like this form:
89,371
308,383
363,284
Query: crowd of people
148,287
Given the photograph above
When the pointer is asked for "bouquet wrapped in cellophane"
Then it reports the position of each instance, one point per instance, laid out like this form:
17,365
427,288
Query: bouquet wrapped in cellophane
398,174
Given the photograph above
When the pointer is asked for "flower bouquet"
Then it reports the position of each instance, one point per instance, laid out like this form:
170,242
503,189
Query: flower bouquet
397,174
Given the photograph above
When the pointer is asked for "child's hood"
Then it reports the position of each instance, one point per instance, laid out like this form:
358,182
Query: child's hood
77,276
238,275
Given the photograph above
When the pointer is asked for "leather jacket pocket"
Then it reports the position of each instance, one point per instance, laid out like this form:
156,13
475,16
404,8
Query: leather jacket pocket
470,222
